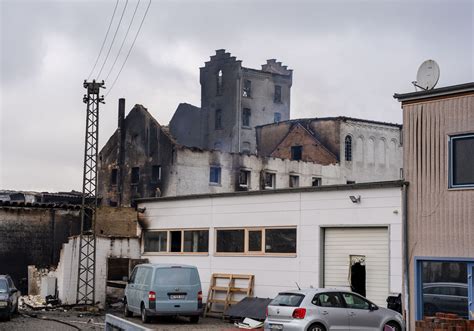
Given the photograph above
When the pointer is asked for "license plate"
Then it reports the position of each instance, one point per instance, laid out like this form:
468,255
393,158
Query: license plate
3,304
276,326
177,296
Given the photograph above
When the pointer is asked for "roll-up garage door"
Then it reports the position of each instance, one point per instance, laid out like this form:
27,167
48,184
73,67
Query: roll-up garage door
369,245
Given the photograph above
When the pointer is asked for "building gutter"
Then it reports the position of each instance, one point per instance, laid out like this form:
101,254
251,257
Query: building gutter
439,92
405,252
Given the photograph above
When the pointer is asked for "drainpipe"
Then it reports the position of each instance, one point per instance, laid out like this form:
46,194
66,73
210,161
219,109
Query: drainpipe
406,255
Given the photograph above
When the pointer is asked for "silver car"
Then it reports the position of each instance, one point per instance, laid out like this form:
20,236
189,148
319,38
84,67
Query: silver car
329,309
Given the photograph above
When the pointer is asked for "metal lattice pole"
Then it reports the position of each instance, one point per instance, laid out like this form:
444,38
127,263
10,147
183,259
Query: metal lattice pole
86,267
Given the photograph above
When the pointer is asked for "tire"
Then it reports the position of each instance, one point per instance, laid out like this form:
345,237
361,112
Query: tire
394,325
194,319
126,312
316,327
15,311
144,315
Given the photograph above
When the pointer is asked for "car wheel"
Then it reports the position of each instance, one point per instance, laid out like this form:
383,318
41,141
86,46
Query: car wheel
316,327
194,319
144,314
126,312
394,325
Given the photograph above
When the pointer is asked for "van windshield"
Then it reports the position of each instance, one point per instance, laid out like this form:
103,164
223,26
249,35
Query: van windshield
175,276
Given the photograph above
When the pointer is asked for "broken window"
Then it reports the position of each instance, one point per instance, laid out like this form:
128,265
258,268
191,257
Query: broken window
117,268
296,152
244,178
269,180
348,148
230,241
175,241
218,119
113,203
350,182
246,147
247,92
316,181
215,175
155,241
280,240
255,240
196,241
135,175
220,83
276,117
294,181
114,176
155,173
277,95
246,117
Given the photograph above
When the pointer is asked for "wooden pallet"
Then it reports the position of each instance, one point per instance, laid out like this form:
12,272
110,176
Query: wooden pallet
217,307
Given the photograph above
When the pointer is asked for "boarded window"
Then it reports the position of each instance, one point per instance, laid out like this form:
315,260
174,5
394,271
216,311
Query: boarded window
230,241
155,173
294,181
155,241
276,117
277,95
246,113
196,241
280,240
247,92
218,119
135,175
348,148
296,152
461,161
114,176
215,175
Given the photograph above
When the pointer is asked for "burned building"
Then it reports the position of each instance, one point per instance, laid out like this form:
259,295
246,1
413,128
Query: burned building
234,100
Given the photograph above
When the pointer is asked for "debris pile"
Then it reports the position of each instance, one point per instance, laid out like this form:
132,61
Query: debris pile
442,321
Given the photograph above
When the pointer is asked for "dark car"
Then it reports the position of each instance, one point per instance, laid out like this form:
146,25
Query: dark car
9,296
445,297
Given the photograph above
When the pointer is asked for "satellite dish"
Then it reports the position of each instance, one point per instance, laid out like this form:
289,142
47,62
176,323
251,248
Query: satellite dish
428,75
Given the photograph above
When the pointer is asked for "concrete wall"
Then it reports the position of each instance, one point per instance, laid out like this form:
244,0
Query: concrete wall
33,236
310,212
190,172
376,151
106,247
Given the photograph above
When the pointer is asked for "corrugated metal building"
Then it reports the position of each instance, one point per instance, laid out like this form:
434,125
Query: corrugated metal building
438,139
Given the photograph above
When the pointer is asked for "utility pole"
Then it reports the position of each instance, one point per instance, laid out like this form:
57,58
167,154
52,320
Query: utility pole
86,266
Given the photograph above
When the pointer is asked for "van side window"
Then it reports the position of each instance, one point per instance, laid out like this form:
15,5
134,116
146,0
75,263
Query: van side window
148,276
133,275
140,277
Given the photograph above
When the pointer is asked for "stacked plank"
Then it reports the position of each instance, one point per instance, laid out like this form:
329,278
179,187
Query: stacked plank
443,321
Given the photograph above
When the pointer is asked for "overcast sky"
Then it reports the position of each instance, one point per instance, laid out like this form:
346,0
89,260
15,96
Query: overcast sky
348,57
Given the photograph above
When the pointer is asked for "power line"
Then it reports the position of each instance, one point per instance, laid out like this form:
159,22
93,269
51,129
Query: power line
130,50
113,39
123,42
103,43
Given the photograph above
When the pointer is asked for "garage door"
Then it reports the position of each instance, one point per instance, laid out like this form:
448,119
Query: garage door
369,244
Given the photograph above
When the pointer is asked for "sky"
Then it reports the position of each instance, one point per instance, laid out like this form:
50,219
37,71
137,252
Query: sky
348,57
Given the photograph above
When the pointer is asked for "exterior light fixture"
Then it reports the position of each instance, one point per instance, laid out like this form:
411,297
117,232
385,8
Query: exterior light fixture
355,199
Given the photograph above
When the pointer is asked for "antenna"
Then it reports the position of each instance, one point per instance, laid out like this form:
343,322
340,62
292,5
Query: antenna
297,286
427,76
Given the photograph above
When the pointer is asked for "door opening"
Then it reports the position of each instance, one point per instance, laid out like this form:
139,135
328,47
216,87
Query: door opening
357,274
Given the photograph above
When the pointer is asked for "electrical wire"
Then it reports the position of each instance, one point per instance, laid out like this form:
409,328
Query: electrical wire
113,39
130,50
123,42
103,43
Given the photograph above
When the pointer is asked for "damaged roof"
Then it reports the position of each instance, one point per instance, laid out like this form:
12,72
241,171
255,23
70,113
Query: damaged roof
337,118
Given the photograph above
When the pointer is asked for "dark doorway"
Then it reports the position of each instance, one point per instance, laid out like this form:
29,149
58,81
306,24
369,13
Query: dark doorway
357,274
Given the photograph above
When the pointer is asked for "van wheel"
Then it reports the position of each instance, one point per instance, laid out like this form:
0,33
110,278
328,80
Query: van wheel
194,319
145,317
316,327
126,312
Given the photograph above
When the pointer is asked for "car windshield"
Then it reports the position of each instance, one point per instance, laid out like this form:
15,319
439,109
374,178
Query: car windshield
288,299
3,286
175,276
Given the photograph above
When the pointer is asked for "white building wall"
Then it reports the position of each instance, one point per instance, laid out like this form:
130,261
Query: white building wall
106,247
376,152
310,212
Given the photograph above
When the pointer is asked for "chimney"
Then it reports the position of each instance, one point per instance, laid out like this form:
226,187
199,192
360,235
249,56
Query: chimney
120,149
121,113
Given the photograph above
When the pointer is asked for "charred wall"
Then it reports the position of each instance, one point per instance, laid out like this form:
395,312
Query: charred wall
33,236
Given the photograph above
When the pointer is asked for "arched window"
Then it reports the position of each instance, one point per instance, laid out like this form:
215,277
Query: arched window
348,148
219,82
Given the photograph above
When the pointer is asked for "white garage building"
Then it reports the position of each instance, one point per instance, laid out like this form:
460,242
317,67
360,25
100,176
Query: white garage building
317,236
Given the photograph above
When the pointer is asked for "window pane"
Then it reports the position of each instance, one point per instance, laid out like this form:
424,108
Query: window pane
176,276
444,288
196,241
155,173
155,241
276,117
327,300
296,152
113,177
215,175
287,299
255,241
277,96
463,161
175,241
230,241
135,175
280,240
355,302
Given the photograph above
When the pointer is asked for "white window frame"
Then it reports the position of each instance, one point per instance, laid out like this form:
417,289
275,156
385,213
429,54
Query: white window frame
273,174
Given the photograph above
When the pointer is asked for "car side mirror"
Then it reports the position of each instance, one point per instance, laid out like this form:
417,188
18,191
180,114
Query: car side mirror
373,307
